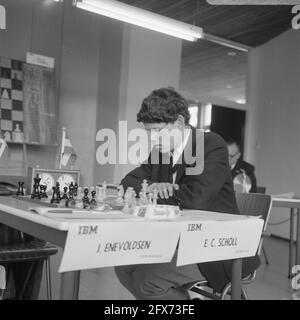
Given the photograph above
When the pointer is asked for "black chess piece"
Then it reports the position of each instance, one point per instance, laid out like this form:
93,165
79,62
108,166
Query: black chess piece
55,196
71,202
71,188
36,194
65,196
85,199
20,191
43,191
75,190
57,185
93,202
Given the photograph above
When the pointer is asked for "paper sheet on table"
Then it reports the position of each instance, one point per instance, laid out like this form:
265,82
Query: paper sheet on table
288,195
66,214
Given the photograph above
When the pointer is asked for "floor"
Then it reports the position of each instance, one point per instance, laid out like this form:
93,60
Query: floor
271,282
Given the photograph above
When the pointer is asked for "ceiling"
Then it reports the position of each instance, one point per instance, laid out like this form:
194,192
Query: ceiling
213,70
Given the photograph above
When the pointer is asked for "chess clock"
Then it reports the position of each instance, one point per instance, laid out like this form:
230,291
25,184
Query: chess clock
49,177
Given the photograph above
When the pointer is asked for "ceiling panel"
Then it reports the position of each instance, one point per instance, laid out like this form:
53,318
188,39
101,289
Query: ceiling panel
206,67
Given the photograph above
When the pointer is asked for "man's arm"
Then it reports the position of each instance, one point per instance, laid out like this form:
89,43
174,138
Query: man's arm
252,177
135,177
199,191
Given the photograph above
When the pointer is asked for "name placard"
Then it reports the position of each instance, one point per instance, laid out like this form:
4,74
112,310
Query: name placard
205,241
93,245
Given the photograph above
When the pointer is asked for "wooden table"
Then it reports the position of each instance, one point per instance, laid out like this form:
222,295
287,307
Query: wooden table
15,213
294,205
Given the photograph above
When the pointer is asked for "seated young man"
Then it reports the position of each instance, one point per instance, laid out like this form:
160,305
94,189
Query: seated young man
162,111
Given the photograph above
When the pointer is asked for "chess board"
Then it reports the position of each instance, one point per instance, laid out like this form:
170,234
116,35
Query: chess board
11,95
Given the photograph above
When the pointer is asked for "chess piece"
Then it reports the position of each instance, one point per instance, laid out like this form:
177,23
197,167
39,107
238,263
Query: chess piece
144,186
55,198
44,191
100,195
85,199
119,199
20,191
75,190
71,188
143,199
104,186
65,196
144,192
126,208
155,197
93,202
133,203
58,190
129,195
78,197
36,188
70,202
150,196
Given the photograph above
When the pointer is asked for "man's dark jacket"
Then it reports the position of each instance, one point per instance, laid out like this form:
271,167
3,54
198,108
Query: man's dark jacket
211,190
249,169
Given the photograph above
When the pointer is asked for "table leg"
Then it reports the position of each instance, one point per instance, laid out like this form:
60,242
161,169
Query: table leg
298,238
291,246
69,286
236,286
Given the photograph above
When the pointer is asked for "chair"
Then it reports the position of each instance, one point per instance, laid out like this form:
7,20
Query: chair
29,251
260,189
253,204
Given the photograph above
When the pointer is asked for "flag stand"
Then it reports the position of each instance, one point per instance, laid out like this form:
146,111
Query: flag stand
62,145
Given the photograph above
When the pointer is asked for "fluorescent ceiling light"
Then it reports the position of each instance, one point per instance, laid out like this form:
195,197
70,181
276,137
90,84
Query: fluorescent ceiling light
140,17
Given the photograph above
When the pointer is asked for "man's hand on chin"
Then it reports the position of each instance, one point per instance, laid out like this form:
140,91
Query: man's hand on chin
165,189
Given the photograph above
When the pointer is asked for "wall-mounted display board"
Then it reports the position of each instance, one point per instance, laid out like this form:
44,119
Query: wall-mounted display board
27,102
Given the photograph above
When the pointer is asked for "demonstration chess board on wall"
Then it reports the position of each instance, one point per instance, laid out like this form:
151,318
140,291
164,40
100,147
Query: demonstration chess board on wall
11,94
27,95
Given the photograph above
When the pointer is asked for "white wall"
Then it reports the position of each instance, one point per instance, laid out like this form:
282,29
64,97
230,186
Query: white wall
150,60
274,124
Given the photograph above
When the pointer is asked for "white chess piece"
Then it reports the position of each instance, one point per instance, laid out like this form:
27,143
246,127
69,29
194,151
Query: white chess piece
133,204
126,208
155,197
144,186
99,195
129,192
104,187
120,195
150,196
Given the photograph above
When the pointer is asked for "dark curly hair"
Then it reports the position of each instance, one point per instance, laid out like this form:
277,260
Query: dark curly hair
163,105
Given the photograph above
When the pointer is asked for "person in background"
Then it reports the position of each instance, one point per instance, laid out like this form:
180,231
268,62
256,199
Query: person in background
241,170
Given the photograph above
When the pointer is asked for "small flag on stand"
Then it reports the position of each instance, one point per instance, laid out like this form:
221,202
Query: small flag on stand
68,155
4,154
